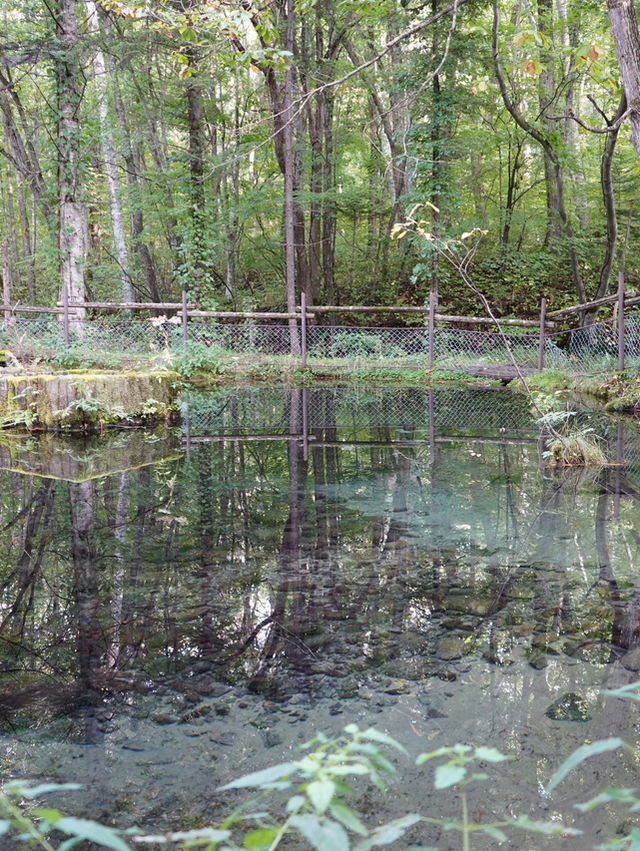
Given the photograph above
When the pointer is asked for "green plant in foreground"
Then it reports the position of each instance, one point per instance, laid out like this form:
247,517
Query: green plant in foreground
314,810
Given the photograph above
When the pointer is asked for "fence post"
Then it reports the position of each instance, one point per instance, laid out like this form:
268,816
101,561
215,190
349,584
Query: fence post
432,325
6,284
65,317
543,319
621,321
303,327
185,330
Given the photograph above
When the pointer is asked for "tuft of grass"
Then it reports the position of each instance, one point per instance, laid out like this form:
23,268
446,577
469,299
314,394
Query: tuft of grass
577,449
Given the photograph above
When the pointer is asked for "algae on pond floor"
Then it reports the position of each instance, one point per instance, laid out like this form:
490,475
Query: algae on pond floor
86,400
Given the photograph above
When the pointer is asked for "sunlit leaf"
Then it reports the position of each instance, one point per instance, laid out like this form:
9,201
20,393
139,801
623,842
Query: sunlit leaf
344,814
388,833
322,834
607,796
490,754
495,833
448,775
92,831
376,736
261,778
548,828
31,792
261,839
580,755
320,793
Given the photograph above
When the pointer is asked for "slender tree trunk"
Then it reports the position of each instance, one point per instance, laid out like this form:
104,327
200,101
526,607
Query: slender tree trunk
25,226
72,232
546,99
109,154
624,26
13,231
133,182
289,183
608,194
196,173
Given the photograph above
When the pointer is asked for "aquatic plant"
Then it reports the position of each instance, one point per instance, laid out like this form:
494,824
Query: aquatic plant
570,444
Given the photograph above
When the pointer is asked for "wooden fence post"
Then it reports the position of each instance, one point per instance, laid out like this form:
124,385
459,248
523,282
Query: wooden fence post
620,321
65,316
432,325
6,284
303,328
543,319
185,329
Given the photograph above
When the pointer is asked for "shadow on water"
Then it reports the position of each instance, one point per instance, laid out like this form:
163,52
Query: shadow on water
191,606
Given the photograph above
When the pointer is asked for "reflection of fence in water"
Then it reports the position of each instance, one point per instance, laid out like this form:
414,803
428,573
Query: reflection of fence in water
351,411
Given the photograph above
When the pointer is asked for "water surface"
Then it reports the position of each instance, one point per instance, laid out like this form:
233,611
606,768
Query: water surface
178,609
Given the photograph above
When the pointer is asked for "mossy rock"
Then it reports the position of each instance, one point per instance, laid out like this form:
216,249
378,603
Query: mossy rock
85,401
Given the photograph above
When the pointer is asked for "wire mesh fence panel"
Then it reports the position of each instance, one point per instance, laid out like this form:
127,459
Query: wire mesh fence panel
580,351
353,411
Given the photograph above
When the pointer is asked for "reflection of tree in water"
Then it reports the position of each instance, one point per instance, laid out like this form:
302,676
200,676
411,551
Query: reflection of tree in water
275,566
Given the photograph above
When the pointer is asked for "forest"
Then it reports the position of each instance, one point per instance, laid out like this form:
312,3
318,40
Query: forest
248,151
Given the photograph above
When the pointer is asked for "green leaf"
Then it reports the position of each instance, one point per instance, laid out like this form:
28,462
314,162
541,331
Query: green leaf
261,778
495,833
295,803
448,775
580,755
322,834
207,834
94,832
458,750
260,840
628,692
320,793
70,844
46,788
376,736
548,828
624,796
344,814
490,754
388,833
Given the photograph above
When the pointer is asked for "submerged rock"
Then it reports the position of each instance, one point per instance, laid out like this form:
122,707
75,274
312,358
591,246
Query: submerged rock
569,707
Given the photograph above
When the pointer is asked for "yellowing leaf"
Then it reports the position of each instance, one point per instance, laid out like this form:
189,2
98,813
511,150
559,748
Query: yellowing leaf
593,54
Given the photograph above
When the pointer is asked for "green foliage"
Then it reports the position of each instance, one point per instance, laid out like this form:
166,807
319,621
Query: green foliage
198,358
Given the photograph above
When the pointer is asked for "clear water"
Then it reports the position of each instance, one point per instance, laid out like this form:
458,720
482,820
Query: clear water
179,609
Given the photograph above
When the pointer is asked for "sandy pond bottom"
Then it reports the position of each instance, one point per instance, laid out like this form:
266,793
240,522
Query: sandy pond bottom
177,625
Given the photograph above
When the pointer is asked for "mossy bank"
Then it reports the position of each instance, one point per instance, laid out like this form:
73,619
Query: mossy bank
87,401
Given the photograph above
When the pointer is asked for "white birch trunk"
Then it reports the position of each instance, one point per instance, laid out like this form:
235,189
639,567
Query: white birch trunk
109,155
73,232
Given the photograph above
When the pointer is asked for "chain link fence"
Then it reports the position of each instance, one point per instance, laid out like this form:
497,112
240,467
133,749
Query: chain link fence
580,351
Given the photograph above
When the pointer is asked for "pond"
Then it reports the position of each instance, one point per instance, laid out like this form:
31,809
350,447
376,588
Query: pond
178,609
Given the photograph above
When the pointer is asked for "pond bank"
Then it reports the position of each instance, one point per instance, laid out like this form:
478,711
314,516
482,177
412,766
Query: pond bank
87,401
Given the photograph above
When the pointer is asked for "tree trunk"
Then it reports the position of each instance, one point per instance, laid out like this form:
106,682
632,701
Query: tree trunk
109,154
289,179
197,261
624,26
546,99
72,232
133,183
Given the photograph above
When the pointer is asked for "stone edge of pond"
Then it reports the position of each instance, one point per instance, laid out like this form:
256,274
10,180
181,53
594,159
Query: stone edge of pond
88,400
